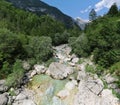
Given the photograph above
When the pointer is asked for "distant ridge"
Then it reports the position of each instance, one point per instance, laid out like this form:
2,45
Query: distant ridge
41,8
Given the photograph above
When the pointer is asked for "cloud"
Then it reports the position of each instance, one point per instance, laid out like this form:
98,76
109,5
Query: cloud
105,4
86,10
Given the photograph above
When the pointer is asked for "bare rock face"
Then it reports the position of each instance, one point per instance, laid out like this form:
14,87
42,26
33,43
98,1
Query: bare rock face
59,71
3,99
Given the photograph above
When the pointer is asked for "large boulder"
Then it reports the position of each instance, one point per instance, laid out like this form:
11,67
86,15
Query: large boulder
3,87
88,94
59,71
24,98
4,99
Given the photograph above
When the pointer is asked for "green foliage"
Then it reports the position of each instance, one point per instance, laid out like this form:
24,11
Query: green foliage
5,70
10,49
113,11
39,48
12,92
115,69
15,77
104,40
80,45
10,45
90,68
21,37
95,69
92,15
61,38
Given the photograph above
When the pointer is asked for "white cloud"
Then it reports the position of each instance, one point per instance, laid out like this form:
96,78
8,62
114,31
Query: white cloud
86,10
105,4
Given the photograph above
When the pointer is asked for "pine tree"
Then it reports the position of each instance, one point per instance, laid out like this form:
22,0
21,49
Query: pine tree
113,10
92,15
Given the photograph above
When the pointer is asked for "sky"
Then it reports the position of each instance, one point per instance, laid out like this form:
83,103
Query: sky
81,8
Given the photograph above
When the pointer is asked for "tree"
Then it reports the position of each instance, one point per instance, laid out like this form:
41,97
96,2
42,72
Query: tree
80,45
39,48
113,10
92,15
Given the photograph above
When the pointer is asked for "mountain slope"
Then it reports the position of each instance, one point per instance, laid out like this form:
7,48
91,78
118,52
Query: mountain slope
81,23
42,8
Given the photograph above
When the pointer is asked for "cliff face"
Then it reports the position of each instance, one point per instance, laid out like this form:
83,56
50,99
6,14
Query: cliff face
41,8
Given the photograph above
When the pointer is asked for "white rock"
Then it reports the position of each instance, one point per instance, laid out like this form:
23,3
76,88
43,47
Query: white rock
33,73
108,98
21,97
24,102
81,75
109,79
71,64
3,87
95,84
75,60
71,85
26,65
59,71
63,94
28,102
3,99
39,68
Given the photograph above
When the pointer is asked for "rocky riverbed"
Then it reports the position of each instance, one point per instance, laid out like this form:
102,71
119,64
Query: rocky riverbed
64,82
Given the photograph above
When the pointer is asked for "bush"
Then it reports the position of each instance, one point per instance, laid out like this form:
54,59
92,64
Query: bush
80,45
39,48
10,49
61,38
16,76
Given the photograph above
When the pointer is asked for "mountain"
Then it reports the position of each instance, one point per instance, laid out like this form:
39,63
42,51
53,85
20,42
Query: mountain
81,23
41,8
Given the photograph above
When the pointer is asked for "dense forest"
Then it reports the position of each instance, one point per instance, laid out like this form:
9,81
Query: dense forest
25,36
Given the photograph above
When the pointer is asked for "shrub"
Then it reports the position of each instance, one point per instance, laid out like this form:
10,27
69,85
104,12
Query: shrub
39,48
80,45
15,77
61,38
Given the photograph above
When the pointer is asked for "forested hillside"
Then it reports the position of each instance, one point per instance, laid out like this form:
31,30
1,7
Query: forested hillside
41,8
24,35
